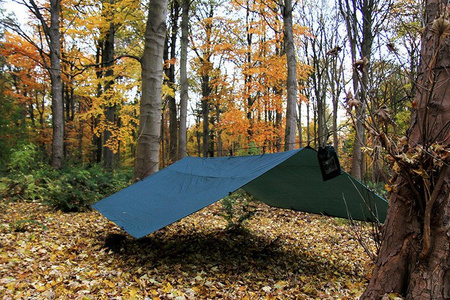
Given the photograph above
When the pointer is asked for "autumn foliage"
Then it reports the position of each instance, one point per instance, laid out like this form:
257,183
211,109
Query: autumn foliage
237,105
279,254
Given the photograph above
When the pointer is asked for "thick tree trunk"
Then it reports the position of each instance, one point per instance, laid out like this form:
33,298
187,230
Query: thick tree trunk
291,109
109,157
184,96
57,86
414,260
147,156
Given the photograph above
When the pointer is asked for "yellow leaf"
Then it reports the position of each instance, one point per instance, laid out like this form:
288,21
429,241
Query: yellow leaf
280,284
132,292
168,288
10,286
109,283
40,288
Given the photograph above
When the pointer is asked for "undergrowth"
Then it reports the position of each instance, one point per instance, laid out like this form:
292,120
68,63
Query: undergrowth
74,188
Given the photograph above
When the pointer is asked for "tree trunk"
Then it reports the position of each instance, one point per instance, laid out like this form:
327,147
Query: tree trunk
147,156
52,35
57,87
184,96
414,260
248,78
206,92
170,73
308,121
350,10
96,137
299,125
335,78
291,110
109,157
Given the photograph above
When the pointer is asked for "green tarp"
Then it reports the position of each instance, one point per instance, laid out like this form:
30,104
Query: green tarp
289,179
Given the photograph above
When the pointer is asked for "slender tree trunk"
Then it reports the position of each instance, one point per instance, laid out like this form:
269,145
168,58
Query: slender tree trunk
170,72
52,35
184,96
279,50
57,86
350,12
315,124
218,133
212,135
97,138
248,77
206,92
291,118
308,121
147,156
358,156
335,126
414,260
299,125
358,163
335,78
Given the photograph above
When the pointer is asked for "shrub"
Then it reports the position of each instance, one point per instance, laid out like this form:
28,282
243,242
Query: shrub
24,159
237,208
73,188
21,181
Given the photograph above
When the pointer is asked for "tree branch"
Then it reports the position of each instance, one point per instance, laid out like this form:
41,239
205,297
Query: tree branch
427,218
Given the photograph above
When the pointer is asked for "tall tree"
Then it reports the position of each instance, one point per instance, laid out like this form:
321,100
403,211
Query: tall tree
360,42
184,96
170,57
291,84
53,35
147,156
107,47
323,51
205,52
414,260
50,34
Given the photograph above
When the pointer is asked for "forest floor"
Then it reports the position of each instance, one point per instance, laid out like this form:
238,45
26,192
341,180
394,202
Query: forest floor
280,254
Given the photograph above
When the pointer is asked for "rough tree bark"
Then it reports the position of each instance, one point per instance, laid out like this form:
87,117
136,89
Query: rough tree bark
291,110
207,67
147,156
109,157
54,36
170,73
51,51
184,96
206,93
414,260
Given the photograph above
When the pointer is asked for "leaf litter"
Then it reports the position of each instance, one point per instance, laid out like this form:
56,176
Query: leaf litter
277,254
